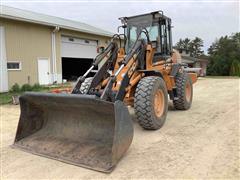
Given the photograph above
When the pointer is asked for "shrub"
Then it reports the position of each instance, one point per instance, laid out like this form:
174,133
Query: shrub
26,87
37,87
15,88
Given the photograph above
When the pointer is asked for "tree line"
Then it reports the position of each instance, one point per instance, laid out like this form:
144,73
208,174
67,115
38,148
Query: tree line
223,55
194,47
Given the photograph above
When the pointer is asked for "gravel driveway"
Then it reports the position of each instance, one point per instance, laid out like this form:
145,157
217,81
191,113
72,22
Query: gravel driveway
202,142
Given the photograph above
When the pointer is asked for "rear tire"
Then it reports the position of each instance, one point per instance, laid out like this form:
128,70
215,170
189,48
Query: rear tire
85,85
184,92
151,102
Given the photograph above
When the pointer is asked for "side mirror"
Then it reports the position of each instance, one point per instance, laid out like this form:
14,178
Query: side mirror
123,26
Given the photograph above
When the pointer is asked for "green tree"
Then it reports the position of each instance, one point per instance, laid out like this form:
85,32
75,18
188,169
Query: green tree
196,47
179,44
235,68
224,56
193,46
186,43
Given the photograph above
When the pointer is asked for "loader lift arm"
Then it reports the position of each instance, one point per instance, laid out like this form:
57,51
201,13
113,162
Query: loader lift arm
138,49
108,93
112,49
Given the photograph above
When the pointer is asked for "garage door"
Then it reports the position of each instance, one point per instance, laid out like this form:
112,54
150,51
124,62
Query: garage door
78,48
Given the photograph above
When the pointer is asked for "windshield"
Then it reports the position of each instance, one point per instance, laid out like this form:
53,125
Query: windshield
133,31
159,32
135,26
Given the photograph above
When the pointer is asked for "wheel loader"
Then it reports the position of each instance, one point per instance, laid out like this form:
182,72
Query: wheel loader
91,127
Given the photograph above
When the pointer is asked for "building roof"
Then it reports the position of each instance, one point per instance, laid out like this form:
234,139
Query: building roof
33,17
190,60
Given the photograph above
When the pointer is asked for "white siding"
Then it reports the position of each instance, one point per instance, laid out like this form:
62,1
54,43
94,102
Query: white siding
3,62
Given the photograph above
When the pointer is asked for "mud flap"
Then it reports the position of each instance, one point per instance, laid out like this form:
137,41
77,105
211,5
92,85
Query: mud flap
76,129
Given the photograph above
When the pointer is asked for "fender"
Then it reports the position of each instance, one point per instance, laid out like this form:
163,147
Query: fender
151,73
171,93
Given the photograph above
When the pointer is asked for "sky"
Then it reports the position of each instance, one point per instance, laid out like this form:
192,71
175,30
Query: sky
207,19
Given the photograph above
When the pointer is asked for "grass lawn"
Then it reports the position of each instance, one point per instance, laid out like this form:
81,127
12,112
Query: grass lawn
6,98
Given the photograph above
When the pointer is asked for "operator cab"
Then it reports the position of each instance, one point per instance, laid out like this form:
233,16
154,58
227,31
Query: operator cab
157,28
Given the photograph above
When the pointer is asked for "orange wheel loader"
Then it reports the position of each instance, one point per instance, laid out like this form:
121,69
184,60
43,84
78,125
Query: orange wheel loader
91,127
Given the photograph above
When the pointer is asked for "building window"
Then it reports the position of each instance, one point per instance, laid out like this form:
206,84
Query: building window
71,39
100,49
14,65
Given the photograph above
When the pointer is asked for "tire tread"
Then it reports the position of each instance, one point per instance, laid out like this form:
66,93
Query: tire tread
142,102
180,103
85,85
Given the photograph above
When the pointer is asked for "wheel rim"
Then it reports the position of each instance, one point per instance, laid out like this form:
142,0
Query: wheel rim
188,91
159,103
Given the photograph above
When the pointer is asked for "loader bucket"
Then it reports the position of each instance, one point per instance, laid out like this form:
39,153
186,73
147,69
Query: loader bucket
76,129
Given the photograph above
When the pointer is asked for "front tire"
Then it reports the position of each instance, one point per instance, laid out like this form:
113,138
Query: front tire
151,102
184,90
85,85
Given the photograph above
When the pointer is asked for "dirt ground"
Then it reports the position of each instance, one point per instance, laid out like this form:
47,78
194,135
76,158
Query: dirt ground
202,142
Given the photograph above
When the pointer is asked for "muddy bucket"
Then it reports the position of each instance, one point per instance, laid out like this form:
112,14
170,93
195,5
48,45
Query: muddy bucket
76,129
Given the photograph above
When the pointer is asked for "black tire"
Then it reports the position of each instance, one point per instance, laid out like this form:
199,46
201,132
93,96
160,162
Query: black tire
144,102
85,85
183,100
